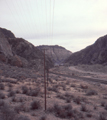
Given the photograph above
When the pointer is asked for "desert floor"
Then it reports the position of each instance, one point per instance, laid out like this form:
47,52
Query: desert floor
73,93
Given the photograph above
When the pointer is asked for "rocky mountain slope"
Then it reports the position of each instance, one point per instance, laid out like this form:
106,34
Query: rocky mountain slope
19,52
57,53
93,54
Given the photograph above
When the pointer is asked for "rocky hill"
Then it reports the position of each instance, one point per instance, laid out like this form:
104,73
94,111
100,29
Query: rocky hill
57,53
19,52
93,54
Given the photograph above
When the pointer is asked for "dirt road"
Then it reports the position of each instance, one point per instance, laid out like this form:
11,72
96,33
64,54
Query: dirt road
89,76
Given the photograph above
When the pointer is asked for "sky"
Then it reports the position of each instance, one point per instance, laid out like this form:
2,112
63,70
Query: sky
73,24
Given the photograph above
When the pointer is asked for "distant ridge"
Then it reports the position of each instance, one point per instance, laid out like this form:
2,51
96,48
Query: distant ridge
93,54
57,53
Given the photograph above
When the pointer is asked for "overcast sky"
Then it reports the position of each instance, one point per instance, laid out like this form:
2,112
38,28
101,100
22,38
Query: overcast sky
73,24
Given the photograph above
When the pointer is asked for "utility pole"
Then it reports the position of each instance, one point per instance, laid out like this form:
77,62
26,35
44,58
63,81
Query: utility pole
44,81
47,75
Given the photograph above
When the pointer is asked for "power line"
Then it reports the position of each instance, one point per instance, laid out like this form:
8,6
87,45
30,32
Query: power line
53,18
29,7
23,17
26,18
38,14
50,20
46,20
12,13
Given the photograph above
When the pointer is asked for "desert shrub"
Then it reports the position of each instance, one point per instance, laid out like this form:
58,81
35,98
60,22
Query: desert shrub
2,103
68,107
33,114
14,99
78,114
21,99
17,109
103,103
65,111
69,95
105,107
10,85
89,115
83,86
60,96
95,107
22,118
2,86
9,81
64,87
17,91
77,100
54,88
43,117
35,105
73,74
34,92
25,90
7,113
21,107
102,116
68,100
2,95
72,85
11,93
83,108
18,99
91,92
68,82
26,108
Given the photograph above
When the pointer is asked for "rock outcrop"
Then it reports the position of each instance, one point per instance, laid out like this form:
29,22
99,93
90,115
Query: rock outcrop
19,52
93,54
57,53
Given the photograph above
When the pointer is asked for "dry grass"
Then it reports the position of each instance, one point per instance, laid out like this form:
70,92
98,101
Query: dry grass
76,99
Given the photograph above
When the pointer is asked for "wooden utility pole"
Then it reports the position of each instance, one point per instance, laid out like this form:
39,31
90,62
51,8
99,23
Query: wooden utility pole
47,75
44,81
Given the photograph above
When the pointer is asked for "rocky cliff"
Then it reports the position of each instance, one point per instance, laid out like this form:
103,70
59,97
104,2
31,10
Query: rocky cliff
57,53
19,52
93,54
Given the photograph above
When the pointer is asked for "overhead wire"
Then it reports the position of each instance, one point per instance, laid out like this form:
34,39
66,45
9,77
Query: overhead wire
13,14
41,17
22,18
50,30
38,14
32,19
28,25
29,12
44,19
52,24
18,14
46,34
53,19
25,16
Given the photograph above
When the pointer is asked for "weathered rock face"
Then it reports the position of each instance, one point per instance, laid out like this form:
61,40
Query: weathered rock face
93,54
15,61
57,53
5,48
7,33
19,52
28,52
